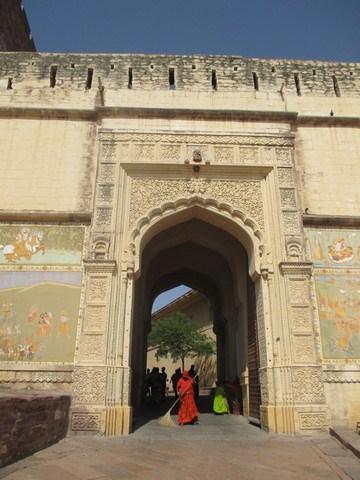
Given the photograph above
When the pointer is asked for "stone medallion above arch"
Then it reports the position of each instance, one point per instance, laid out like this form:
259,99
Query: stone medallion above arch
218,213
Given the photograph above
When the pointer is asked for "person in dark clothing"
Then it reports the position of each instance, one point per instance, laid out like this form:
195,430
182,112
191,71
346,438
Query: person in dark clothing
174,380
192,372
164,379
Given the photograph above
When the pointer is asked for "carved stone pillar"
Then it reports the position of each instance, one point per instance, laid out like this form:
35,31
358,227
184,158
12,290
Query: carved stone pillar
99,405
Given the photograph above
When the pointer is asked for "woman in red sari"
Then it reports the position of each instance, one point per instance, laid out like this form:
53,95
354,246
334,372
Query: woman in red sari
188,413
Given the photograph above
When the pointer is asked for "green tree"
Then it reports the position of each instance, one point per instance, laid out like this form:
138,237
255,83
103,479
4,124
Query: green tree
179,337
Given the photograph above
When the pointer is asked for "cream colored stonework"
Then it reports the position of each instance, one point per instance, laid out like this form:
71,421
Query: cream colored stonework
123,160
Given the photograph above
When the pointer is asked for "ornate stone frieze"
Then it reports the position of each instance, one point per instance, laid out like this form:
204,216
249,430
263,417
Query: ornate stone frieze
89,421
307,385
144,152
312,420
273,140
89,385
147,193
248,154
28,376
169,153
336,376
224,154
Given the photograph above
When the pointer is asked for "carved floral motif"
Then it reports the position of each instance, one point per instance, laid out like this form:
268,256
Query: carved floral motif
307,385
148,193
312,421
89,385
304,348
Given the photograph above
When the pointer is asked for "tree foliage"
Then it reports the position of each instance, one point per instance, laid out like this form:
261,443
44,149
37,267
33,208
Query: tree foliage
179,337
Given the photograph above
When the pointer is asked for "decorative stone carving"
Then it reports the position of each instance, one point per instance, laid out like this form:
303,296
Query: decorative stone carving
96,289
291,222
312,421
28,376
248,155
224,154
285,176
89,385
288,197
301,318
103,219
105,194
294,248
106,173
284,156
100,247
148,193
85,421
273,140
304,348
169,153
198,186
108,151
298,291
341,376
144,153
94,320
307,385
92,348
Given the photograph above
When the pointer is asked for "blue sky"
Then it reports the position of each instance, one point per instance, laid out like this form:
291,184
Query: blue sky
304,29
299,29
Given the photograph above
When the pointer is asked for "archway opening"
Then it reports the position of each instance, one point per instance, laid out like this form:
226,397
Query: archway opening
213,263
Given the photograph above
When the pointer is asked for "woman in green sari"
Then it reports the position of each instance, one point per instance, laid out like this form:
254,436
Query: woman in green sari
220,405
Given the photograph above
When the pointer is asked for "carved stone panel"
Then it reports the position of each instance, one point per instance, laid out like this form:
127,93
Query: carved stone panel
89,421
224,154
304,348
94,320
287,197
284,156
301,318
298,291
97,289
144,152
105,194
107,172
92,348
291,222
147,193
312,420
89,385
285,176
307,385
103,219
248,154
169,153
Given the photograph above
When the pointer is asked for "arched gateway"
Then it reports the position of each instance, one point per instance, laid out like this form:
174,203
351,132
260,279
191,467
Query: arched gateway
211,225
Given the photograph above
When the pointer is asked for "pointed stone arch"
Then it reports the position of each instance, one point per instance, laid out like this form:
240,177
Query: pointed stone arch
218,213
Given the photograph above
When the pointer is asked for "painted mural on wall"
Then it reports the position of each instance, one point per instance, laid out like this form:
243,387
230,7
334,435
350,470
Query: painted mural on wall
339,310
38,315
334,247
41,245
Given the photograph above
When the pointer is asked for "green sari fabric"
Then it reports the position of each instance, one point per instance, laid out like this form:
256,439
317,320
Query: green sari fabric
220,404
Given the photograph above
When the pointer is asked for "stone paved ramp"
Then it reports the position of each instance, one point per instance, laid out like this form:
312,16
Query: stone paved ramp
223,448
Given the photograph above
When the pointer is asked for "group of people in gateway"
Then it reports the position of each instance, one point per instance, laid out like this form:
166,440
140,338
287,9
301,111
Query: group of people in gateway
186,389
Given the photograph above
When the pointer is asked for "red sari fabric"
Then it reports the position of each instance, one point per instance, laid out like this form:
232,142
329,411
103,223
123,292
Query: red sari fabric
187,412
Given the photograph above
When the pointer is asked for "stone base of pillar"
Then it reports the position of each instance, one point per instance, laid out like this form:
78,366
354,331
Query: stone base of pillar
278,419
294,420
97,420
118,420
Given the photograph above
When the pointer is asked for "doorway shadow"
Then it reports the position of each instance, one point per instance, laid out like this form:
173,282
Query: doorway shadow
148,411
